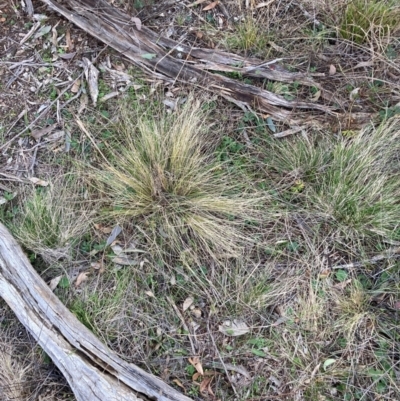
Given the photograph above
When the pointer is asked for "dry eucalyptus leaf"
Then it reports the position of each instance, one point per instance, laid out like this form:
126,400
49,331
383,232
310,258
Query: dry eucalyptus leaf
81,278
114,234
103,229
265,4
354,94
234,329
316,96
117,249
67,56
211,6
187,303
38,181
54,282
38,133
137,22
124,261
196,313
195,362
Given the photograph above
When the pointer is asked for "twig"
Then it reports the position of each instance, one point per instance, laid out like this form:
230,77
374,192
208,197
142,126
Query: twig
185,326
390,253
220,358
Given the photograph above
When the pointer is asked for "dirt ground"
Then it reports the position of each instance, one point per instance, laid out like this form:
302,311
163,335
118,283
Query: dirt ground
42,90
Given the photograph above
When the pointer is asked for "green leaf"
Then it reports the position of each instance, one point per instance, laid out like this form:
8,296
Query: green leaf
328,363
64,282
149,56
271,124
258,353
341,275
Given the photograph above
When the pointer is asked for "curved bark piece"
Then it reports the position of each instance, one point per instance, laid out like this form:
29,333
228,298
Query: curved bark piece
93,371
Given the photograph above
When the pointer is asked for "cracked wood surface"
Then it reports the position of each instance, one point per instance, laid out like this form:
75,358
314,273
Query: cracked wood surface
93,371
170,61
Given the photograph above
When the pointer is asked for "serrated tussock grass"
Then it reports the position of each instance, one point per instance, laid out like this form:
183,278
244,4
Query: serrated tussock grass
164,178
351,184
364,20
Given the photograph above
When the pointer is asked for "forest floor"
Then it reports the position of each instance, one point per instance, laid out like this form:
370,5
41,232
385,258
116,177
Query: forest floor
215,247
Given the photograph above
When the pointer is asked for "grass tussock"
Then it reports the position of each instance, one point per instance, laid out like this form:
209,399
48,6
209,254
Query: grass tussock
349,183
50,219
164,177
370,19
248,37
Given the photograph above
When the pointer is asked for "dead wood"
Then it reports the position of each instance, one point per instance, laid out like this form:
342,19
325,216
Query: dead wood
93,371
170,61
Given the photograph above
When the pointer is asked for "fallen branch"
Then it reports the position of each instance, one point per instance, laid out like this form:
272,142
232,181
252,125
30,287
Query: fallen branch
93,371
389,254
170,61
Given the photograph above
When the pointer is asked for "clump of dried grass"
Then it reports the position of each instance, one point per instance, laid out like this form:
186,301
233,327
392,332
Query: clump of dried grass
164,178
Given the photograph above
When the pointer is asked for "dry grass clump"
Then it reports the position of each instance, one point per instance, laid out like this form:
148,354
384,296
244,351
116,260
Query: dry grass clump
51,218
366,19
164,178
13,374
349,183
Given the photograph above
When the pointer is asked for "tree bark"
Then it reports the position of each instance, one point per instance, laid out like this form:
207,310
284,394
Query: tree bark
93,371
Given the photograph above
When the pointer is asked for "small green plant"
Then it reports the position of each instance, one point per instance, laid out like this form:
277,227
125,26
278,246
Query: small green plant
366,19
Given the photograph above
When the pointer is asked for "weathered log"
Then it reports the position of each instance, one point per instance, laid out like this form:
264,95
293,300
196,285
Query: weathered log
171,61
93,371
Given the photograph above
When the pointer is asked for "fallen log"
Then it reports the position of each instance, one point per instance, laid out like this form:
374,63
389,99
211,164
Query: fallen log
92,370
170,61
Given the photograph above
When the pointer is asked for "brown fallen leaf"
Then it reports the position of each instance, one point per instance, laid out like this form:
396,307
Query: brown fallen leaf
103,229
67,56
137,22
264,4
178,383
211,6
38,181
187,303
316,96
205,384
125,261
195,362
81,278
38,133
342,285
54,282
